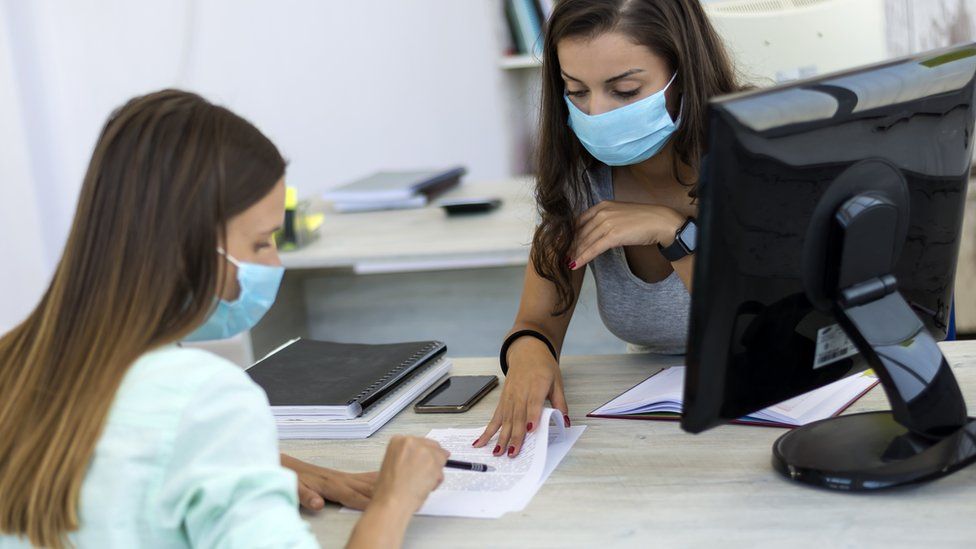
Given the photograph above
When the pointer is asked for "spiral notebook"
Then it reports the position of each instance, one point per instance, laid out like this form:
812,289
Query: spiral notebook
326,379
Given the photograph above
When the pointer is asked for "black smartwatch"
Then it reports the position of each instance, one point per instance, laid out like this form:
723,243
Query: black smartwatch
685,241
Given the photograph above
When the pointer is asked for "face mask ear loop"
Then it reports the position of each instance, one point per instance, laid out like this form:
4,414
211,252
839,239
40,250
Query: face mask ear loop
668,85
228,257
681,103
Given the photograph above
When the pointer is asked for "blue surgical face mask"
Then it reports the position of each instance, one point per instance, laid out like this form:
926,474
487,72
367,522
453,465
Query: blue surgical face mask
259,287
627,135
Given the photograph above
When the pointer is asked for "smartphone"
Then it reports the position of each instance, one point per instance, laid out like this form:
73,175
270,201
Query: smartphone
470,205
456,394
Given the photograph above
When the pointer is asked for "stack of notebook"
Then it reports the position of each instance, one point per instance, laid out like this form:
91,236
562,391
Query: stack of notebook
393,190
322,389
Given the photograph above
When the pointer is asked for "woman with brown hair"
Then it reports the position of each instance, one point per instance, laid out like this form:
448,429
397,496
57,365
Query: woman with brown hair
624,93
111,435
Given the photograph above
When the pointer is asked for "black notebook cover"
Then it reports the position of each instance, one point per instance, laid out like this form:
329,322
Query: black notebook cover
328,374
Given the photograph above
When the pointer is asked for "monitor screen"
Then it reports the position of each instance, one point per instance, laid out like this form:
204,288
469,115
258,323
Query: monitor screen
760,330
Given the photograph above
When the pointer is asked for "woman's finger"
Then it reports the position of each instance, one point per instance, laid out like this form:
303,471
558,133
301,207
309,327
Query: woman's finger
506,431
557,398
602,232
363,487
534,413
592,211
370,477
594,222
310,499
585,236
491,429
354,500
592,251
518,431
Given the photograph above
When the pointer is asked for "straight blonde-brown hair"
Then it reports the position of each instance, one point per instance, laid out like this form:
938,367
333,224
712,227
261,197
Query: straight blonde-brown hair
139,270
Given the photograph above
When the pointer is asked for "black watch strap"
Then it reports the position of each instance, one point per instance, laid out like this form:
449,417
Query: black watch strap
684,242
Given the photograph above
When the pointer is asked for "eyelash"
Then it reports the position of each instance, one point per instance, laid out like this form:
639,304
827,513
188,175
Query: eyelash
621,94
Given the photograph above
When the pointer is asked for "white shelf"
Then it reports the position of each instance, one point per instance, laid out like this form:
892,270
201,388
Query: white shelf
516,62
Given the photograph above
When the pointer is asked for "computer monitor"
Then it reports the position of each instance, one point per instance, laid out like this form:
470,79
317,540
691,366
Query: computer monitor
830,213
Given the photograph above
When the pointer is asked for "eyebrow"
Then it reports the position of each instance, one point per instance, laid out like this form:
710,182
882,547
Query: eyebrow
608,80
278,228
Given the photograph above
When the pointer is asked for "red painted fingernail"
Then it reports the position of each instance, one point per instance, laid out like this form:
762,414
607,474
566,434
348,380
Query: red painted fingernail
475,442
497,449
566,419
511,451
529,426
572,265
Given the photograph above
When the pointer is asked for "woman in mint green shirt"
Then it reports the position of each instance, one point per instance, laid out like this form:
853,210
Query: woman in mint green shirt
111,434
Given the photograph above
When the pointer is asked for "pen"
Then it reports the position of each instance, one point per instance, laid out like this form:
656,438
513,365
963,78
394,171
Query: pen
468,466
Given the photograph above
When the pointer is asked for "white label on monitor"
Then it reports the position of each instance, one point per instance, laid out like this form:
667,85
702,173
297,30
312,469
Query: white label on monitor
832,345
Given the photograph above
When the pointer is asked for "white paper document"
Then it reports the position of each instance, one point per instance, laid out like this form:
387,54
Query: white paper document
661,396
512,483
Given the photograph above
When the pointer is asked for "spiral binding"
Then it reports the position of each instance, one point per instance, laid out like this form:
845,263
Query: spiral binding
413,359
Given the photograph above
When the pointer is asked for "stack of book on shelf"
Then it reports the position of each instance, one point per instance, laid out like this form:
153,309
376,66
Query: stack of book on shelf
393,190
525,21
327,390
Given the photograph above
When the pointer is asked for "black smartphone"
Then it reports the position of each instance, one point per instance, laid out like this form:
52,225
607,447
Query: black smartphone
469,205
456,394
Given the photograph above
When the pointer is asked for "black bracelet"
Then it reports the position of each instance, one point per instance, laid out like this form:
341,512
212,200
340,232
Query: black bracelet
503,360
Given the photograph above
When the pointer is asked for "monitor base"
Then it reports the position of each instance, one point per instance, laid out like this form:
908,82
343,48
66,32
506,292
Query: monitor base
870,451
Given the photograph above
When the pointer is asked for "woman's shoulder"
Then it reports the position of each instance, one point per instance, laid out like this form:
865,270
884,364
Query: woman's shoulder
185,367
165,381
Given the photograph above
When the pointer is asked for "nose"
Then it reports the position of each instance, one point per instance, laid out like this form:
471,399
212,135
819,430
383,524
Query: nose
600,104
275,259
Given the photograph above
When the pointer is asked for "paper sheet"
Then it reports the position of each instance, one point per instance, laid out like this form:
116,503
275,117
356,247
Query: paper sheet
513,483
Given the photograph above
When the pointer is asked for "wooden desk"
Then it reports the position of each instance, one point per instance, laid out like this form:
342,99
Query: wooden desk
427,239
649,484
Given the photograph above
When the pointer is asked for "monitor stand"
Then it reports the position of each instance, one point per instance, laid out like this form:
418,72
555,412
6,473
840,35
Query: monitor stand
927,433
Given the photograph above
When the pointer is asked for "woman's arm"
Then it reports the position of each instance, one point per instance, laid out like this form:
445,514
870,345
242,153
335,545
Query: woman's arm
533,373
612,224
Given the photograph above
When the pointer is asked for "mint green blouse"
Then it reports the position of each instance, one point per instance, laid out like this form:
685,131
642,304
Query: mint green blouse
188,458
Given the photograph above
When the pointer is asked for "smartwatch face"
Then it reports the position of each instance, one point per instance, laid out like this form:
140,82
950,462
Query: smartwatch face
689,236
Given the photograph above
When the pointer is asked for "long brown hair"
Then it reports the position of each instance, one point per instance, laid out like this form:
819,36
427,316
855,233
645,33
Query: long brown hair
139,270
676,30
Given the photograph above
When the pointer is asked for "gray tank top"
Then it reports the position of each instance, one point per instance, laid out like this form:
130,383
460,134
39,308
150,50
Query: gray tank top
649,317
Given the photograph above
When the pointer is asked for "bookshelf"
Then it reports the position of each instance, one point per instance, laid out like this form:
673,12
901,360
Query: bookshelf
519,29
519,61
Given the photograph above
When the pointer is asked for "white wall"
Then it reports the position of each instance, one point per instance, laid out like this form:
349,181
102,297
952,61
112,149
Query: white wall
343,88
924,25
21,243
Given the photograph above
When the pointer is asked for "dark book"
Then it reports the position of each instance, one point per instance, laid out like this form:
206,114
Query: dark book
513,27
341,380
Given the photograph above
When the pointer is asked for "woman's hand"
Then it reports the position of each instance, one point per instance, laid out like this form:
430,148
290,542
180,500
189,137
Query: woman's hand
612,224
533,376
412,468
317,484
